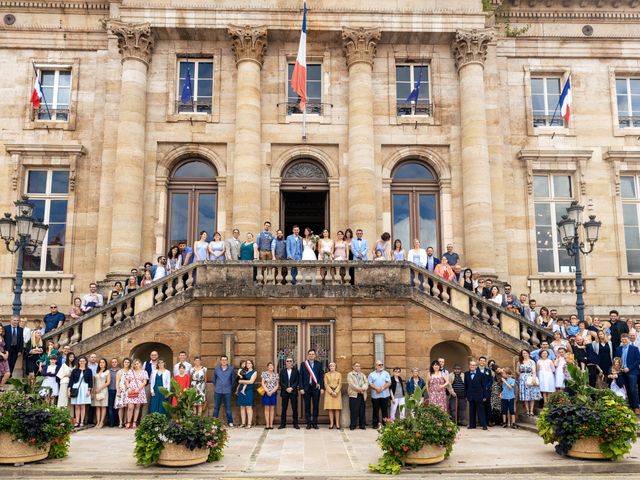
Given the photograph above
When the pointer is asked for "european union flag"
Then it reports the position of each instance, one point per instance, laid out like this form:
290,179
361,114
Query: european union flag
186,95
413,96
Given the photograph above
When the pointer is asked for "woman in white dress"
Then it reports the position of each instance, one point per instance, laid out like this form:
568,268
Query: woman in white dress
561,366
100,401
50,387
82,381
546,378
121,391
308,247
64,374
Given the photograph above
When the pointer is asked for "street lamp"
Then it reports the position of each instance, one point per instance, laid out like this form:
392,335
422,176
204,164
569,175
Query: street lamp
568,228
22,234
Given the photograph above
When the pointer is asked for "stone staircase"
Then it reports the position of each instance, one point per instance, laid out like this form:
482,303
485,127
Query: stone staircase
325,280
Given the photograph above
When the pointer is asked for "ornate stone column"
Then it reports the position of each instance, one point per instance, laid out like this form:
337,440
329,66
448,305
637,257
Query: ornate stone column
135,43
470,51
249,45
360,49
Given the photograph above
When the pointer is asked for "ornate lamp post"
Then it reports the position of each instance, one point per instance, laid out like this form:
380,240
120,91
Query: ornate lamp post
570,237
22,234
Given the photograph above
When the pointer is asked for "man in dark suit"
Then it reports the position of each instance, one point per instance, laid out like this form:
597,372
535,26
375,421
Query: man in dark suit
483,369
476,385
289,383
432,260
618,327
311,386
630,356
14,341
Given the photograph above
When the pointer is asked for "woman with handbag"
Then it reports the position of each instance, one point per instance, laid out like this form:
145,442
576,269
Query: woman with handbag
81,383
135,380
101,379
528,381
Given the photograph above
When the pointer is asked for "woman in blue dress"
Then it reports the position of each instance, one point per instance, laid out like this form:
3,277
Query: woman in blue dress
398,251
201,248
162,378
528,384
245,394
216,248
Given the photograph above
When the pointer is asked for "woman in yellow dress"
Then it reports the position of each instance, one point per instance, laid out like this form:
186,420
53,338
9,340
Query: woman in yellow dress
332,396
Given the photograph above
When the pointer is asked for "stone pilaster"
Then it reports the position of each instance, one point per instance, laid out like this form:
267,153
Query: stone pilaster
249,45
135,43
470,51
360,49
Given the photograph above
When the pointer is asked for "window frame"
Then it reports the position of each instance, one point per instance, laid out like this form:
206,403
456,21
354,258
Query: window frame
412,80
48,197
632,123
635,201
196,75
312,114
566,129
52,103
31,120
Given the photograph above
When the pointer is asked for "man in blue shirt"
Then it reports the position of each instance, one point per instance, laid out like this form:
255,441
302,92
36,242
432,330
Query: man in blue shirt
223,379
379,381
294,249
53,319
359,246
451,256
263,241
186,253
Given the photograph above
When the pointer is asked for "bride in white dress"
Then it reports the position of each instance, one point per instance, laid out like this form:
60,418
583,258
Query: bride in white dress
308,252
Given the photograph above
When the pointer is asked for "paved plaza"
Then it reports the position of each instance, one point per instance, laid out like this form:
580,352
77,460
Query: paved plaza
324,454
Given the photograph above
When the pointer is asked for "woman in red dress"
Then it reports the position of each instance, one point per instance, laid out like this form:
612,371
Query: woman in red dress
183,379
437,384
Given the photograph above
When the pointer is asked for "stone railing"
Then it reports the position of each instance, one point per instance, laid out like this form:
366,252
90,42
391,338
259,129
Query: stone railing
124,308
634,285
38,288
297,278
557,284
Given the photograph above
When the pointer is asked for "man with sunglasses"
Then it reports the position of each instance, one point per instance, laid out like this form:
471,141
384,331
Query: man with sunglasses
54,319
289,383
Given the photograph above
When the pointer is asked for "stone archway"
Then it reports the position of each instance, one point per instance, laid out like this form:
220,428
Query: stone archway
143,350
453,352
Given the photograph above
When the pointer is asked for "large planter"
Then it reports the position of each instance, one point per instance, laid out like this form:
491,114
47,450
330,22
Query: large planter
12,451
173,455
587,448
427,455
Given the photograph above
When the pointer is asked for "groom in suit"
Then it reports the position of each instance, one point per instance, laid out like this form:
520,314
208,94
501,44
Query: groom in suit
311,386
289,382
294,250
475,384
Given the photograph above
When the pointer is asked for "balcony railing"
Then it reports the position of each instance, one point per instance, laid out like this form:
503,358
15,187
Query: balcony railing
51,114
419,108
628,121
297,279
548,120
312,108
195,106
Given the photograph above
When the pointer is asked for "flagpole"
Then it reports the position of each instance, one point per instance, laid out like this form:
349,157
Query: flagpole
304,123
41,90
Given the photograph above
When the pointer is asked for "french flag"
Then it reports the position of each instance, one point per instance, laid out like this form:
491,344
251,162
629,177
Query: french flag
299,77
36,94
565,101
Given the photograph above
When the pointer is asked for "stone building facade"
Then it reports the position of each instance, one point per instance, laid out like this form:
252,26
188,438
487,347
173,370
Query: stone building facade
122,164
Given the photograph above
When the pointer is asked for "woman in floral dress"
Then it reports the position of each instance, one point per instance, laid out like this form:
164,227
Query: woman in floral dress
528,381
121,391
437,385
199,382
135,381
270,382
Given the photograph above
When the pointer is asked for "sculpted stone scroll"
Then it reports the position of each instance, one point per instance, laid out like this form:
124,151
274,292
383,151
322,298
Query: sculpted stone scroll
470,46
360,44
248,43
135,40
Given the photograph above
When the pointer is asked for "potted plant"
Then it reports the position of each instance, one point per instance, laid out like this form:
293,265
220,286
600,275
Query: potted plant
425,436
30,428
180,438
587,422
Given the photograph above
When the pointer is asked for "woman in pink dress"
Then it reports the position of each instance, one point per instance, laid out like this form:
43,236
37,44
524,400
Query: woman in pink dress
437,384
135,382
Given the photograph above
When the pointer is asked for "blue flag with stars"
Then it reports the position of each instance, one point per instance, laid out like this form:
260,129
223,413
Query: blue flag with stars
186,94
413,96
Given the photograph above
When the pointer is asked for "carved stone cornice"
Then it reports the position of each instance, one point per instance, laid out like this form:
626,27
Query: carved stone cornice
248,43
470,46
135,40
359,44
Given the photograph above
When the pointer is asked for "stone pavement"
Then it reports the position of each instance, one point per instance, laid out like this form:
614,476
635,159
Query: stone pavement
321,454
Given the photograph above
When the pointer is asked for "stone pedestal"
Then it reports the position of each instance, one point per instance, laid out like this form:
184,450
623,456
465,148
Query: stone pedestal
470,50
360,49
135,43
249,46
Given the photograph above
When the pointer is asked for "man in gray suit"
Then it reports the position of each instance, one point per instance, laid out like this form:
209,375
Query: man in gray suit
232,246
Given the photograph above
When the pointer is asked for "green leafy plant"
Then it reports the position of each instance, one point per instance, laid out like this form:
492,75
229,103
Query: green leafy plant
423,425
28,418
587,412
180,426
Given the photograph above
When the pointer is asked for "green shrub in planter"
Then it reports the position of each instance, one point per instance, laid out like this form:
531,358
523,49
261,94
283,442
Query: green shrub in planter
587,412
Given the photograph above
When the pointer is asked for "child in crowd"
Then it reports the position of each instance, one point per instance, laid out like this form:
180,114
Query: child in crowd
573,328
378,256
508,399
242,371
617,380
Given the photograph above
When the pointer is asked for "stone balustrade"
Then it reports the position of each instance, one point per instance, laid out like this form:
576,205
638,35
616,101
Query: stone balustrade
299,278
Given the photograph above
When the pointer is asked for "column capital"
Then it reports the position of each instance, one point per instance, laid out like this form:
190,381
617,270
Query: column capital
135,40
359,44
470,46
248,43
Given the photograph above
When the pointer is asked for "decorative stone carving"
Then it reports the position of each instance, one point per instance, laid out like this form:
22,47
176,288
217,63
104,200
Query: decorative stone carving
470,46
305,170
359,44
135,40
248,43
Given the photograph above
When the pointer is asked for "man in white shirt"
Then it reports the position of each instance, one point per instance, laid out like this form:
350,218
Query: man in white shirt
92,299
160,270
182,359
633,338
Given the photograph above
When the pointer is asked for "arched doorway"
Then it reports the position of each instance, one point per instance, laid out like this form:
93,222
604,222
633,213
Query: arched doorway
143,351
454,353
415,204
193,193
304,196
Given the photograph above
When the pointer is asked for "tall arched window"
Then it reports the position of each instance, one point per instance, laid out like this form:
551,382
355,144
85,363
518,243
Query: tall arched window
192,200
414,205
